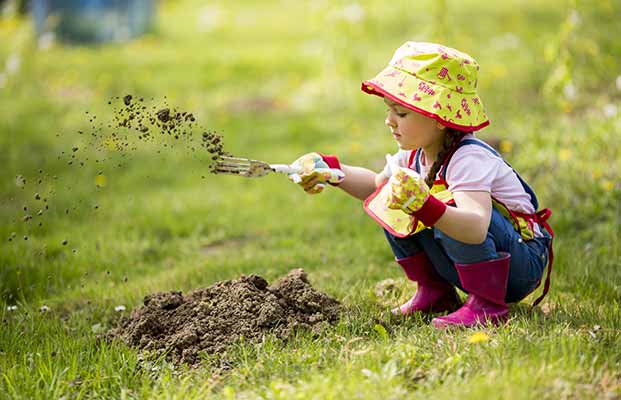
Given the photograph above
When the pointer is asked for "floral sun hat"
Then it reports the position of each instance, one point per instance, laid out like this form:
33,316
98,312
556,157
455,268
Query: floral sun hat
434,80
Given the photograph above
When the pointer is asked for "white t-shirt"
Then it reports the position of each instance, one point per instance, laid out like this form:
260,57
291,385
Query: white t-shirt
473,168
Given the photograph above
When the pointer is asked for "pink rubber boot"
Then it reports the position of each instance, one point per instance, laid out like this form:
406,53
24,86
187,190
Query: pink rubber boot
486,283
434,294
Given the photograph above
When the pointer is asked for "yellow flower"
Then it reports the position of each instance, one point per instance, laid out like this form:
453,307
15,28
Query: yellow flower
229,392
498,71
506,146
564,154
596,174
567,108
355,147
478,337
100,180
607,185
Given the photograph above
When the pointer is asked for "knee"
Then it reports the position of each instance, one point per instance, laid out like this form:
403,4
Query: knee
465,253
402,247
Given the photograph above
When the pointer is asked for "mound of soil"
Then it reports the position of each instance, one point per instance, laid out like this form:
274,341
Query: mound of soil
208,320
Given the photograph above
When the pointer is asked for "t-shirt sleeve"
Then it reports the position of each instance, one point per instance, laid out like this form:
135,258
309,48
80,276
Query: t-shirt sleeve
401,157
472,168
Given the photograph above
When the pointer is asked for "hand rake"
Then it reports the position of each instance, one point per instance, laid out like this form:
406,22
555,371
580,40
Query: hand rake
252,168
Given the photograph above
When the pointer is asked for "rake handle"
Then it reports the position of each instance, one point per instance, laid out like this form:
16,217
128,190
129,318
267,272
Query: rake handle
294,173
287,169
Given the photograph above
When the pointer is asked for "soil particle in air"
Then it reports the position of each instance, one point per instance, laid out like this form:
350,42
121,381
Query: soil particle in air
163,115
210,319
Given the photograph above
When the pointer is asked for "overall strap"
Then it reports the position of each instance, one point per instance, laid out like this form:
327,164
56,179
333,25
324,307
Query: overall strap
414,161
542,219
526,186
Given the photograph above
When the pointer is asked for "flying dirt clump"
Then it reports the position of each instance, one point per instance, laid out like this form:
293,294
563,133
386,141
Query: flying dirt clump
210,319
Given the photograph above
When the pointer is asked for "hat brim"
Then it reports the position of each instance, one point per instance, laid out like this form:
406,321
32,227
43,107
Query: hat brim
461,111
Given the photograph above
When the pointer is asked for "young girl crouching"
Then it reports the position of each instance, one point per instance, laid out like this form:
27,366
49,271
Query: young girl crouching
455,214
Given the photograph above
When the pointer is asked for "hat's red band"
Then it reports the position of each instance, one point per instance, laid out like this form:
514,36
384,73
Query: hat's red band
372,88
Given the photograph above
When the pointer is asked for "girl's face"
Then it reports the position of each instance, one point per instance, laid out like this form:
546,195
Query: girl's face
412,130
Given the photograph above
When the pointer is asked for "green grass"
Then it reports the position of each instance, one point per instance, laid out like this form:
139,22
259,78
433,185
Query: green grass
160,226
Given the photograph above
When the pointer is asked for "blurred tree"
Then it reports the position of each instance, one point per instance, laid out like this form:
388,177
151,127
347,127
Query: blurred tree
19,6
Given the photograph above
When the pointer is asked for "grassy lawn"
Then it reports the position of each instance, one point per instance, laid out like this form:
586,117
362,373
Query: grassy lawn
278,79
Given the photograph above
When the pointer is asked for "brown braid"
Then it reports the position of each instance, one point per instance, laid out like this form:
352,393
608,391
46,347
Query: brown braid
451,138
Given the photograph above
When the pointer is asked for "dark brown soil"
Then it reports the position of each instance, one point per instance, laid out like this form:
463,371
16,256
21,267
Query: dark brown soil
208,320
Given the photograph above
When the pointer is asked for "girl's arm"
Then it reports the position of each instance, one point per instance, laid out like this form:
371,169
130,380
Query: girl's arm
360,182
469,221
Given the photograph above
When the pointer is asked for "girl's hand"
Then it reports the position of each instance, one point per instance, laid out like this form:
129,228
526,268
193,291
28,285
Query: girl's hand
314,170
409,192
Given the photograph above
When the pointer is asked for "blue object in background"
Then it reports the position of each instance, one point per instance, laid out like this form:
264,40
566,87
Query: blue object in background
93,21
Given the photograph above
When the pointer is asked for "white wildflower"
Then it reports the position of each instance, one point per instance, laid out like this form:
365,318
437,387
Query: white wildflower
11,308
574,17
46,40
506,41
353,12
119,308
209,18
610,110
44,308
570,91
12,64
367,372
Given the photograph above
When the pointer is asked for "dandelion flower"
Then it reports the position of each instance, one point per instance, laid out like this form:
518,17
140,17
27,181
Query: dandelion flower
100,180
564,154
506,146
478,337
607,185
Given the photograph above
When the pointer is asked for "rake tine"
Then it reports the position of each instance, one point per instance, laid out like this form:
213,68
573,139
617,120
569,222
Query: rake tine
225,168
229,165
233,160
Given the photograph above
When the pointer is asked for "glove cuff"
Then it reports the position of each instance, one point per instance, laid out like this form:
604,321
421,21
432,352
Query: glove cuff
431,211
333,162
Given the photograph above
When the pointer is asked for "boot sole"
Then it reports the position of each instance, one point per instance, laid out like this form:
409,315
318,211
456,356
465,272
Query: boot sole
439,323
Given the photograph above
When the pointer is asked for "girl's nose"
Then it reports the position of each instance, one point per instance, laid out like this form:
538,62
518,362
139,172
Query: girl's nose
390,122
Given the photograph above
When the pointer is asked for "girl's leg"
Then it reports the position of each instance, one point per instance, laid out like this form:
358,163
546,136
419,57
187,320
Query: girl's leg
528,258
402,247
434,293
502,268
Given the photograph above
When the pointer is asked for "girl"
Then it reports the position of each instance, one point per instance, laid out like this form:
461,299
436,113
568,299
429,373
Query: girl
454,213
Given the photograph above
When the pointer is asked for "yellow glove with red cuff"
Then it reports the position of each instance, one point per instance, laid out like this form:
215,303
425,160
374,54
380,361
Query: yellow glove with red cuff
316,169
410,193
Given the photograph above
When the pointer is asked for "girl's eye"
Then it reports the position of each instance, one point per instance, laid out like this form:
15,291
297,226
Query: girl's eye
400,115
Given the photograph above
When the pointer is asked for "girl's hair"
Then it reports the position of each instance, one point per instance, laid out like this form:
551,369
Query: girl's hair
451,138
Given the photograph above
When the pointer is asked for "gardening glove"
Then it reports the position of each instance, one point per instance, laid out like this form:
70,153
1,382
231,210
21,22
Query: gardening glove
410,193
314,170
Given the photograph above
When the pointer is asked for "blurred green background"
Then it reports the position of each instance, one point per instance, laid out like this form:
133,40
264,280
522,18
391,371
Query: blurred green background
278,79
